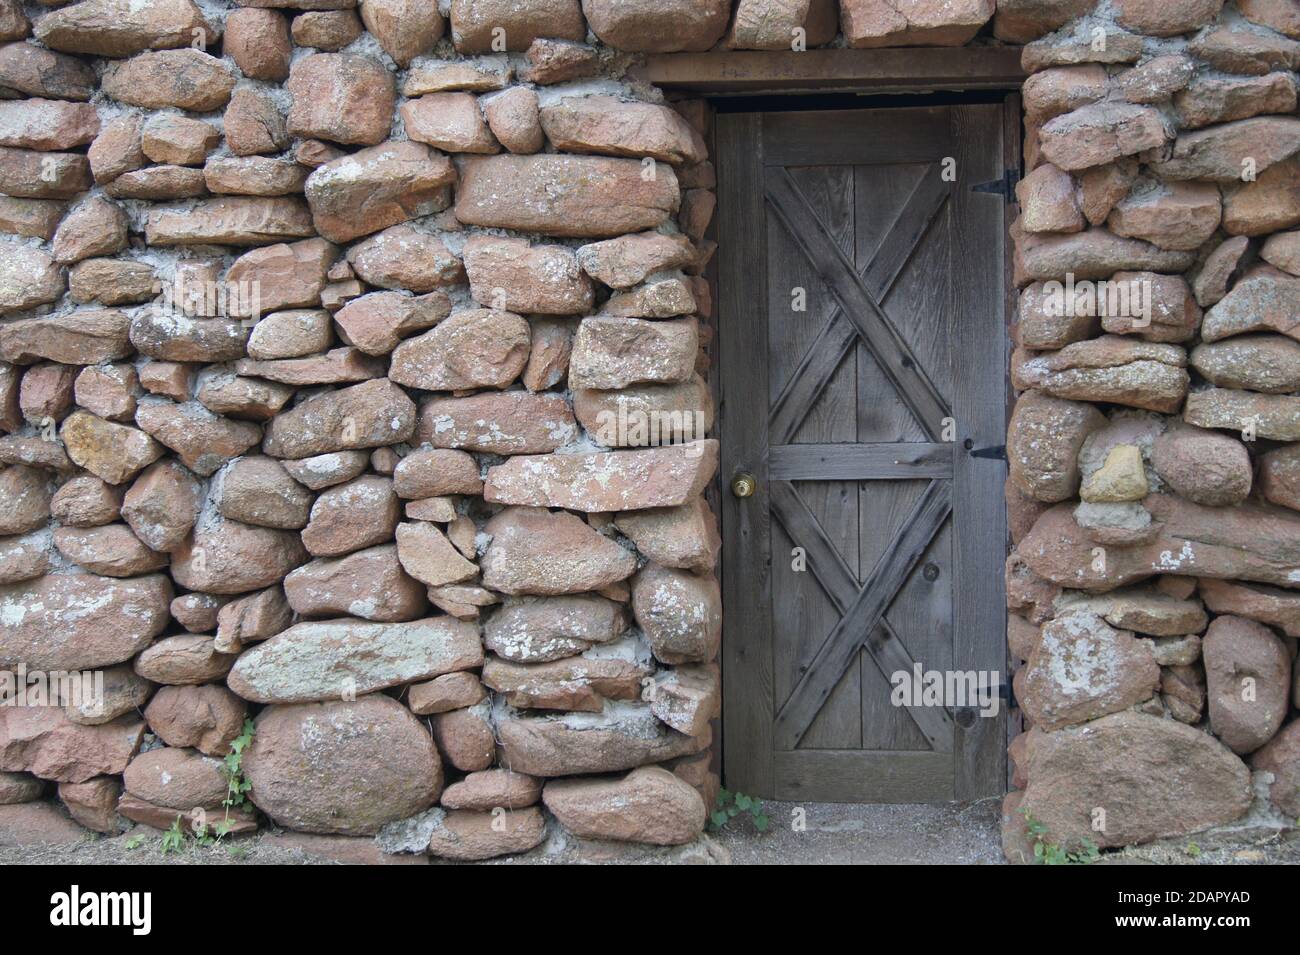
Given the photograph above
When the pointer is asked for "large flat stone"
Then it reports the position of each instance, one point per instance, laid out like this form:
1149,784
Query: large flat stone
1154,777
80,621
332,658
577,196
623,736
1249,542
607,481
230,220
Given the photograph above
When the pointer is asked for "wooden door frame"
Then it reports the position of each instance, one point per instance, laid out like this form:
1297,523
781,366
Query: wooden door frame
817,71
891,70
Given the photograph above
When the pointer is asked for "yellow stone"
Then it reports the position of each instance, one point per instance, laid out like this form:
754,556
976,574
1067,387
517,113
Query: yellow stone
1122,478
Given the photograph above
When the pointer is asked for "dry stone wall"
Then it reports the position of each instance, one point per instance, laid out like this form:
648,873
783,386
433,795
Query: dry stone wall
1154,469
352,383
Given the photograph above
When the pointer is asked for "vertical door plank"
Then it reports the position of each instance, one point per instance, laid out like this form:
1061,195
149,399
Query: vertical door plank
801,611
903,223
747,621
978,308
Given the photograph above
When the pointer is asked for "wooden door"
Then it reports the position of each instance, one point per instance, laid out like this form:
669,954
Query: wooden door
863,365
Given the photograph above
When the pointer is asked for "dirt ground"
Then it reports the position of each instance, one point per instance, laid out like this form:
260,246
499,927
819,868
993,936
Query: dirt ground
812,834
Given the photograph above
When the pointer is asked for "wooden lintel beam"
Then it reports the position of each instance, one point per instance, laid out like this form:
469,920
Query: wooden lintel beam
889,70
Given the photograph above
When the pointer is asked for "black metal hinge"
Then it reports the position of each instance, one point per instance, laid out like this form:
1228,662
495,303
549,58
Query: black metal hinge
997,452
965,716
1004,187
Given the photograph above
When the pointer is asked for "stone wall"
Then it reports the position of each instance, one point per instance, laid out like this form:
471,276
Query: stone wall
1154,474
352,386
353,383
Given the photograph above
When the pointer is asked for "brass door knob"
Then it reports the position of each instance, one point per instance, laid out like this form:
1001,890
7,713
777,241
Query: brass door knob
744,485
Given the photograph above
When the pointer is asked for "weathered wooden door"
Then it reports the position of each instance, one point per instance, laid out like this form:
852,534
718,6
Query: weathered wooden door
863,358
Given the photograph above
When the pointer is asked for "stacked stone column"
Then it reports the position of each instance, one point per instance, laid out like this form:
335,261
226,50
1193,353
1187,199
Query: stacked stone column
1153,464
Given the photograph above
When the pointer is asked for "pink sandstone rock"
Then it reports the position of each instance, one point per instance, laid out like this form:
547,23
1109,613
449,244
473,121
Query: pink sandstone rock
1248,682
680,613
607,126
512,275
258,41
1101,132
206,718
47,124
542,629
186,79
624,736
403,257
1082,669
80,621
771,24
36,71
877,23
474,348
404,28
120,28
485,790
657,26
610,481
648,805
575,196
328,659
473,23
449,121
42,740
464,836
188,659
1171,778
513,117
534,551
508,422
465,738
342,97
1247,542
368,415
342,767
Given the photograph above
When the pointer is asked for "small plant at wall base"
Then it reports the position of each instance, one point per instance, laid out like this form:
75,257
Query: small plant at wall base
237,788
236,785
1049,853
729,805
173,839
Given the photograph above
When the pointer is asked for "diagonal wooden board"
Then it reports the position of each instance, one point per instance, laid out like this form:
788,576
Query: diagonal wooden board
862,616
840,585
857,303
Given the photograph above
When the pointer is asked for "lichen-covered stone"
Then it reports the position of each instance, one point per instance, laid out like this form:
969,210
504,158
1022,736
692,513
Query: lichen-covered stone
1171,780
342,767
1082,669
80,621
623,736
576,196
534,551
609,481
648,805
331,659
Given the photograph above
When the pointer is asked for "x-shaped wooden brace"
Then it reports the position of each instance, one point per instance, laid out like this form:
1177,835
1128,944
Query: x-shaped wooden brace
862,622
